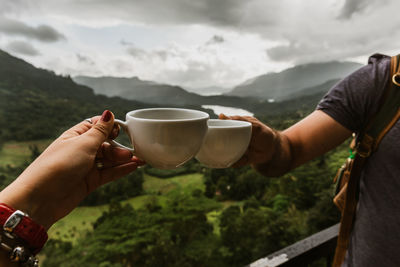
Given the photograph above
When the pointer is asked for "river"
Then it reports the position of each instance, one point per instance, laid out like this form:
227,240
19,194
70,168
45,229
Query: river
228,110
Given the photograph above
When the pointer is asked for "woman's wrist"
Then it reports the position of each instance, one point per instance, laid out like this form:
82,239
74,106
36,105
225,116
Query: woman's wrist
20,199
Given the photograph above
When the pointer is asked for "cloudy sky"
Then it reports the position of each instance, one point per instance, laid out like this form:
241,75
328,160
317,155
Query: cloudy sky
195,43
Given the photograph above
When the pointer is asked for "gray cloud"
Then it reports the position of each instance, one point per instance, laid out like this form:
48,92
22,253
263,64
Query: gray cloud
41,33
320,49
222,13
121,66
282,52
22,47
202,74
352,6
137,52
216,39
302,52
358,31
125,43
147,56
14,6
301,31
85,59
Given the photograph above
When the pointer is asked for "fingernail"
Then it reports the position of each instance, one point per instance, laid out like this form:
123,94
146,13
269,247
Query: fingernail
106,116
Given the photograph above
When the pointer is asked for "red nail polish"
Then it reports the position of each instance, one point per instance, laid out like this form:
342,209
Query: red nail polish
106,116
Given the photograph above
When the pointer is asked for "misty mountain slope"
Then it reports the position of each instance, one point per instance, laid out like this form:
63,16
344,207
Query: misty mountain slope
150,92
302,102
111,86
136,89
161,94
282,85
320,89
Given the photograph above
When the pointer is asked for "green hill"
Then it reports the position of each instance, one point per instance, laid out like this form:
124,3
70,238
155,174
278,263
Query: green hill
38,104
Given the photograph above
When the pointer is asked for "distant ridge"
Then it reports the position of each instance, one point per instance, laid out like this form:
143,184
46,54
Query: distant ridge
298,86
282,85
285,85
135,89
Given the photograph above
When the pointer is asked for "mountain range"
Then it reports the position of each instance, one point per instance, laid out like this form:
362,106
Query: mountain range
136,89
37,103
286,85
295,81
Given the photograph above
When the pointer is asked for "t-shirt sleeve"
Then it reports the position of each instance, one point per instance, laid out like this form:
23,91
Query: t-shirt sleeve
353,100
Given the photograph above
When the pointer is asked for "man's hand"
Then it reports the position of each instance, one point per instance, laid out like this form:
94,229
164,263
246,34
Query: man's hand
262,142
273,153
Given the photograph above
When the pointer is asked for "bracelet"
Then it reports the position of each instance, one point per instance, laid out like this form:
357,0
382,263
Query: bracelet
21,237
17,253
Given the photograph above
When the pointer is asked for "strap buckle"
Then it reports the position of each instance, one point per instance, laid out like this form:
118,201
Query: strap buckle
13,222
364,148
395,79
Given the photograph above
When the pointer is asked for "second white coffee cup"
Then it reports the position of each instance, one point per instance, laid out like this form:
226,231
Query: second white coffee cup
225,143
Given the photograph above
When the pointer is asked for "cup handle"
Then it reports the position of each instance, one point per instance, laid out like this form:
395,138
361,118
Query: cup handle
124,126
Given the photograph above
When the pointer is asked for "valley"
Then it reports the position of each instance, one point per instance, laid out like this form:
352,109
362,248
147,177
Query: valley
190,216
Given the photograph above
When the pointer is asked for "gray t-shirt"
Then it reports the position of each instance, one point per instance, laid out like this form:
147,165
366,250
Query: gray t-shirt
375,240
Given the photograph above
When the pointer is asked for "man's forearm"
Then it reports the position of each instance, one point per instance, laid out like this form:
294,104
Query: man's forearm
282,159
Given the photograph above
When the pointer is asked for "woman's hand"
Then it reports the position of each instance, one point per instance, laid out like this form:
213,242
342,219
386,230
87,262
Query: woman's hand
74,165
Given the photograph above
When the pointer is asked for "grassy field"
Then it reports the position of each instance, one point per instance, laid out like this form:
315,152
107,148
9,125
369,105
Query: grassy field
15,153
80,220
186,183
76,223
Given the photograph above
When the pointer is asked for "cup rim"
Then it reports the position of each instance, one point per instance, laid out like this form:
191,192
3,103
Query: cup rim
201,114
238,124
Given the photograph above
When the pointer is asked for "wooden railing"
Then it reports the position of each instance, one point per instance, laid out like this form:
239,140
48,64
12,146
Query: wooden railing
302,253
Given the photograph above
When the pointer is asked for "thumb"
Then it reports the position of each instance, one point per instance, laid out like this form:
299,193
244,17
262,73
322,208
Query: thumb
102,129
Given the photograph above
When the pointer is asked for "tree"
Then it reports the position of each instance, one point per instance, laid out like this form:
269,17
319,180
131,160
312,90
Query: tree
176,235
121,189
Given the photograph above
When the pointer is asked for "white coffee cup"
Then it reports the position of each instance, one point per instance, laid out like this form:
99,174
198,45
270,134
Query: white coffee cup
165,138
225,143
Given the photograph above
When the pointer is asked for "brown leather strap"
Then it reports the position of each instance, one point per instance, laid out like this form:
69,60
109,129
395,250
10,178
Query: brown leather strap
348,215
387,128
364,147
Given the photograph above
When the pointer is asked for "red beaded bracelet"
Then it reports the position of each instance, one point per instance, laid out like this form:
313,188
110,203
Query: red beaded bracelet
17,224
